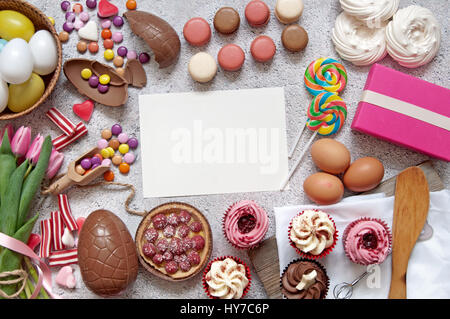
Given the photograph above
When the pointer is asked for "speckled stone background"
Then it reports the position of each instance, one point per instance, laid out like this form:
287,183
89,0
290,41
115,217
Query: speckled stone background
285,71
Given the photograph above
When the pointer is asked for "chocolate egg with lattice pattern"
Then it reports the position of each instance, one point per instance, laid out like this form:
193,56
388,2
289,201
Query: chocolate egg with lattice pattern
106,254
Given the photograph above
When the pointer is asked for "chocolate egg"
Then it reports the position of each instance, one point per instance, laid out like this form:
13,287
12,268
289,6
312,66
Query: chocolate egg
106,254
330,156
323,188
364,174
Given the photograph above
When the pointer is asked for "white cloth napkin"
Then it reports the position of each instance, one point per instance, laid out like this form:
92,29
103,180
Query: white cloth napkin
428,273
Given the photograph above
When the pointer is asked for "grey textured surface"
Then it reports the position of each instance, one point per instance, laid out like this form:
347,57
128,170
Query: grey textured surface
285,70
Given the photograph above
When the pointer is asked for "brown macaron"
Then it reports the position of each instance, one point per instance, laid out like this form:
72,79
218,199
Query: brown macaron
226,20
294,38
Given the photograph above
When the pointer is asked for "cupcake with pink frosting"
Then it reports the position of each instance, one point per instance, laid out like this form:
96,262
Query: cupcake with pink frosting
245,224
367,241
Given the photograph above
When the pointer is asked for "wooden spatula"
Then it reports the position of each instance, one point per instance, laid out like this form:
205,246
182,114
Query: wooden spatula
412,200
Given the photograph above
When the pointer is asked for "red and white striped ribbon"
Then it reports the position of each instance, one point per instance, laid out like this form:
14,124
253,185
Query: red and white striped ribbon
64,140
63,258
57,230
61,121
46,238
66,212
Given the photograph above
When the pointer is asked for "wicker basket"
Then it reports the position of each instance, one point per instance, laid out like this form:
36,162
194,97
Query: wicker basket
41,22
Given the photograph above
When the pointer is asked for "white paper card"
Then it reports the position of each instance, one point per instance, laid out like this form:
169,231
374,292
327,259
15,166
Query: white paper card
213,142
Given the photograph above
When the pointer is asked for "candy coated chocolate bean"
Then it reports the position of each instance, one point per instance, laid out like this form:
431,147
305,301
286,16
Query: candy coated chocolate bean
65,5
86,73
79,169
81,46
124,148
93,47
106,34
124,168
118,21
123,138
68,27
129,158
105,153
103,88
117,37
118,61
116,129
109,54
131,55
95,161
133,142
131,5
144,57
122,51
93,81
86,163
108,44
108,176
116,160
63,36
106,24
84,16
111,151
104,79
114,143
91,4
106,134
106,162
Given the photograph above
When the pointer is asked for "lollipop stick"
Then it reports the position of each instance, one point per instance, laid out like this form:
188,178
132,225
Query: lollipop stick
297,163
300,133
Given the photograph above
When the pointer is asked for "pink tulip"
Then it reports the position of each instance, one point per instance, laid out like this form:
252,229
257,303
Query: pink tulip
21,141
8,128
35,149
54,164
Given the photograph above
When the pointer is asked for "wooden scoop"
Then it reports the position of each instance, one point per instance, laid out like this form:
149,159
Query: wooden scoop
412,200
73,178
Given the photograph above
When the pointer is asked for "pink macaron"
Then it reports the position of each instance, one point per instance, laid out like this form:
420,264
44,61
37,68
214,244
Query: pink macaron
257,13
263,48
231,57
197,31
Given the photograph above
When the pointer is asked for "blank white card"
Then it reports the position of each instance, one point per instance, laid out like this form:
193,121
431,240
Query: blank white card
215,142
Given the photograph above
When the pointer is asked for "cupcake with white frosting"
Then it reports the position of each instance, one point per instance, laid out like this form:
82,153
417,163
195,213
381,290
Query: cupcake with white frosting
313,234
227,278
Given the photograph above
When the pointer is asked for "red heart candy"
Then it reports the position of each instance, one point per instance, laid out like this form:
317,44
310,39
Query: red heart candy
107,9
33,241
84,110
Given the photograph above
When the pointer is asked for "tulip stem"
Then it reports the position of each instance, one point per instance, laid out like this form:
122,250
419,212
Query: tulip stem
30,166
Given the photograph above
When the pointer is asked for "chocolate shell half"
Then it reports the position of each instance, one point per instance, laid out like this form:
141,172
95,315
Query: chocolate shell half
158,34
117,94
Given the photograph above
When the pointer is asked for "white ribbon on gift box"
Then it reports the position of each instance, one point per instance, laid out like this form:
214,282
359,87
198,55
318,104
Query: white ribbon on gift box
406,108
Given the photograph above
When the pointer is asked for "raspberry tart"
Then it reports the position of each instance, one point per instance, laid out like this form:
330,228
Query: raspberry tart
174,241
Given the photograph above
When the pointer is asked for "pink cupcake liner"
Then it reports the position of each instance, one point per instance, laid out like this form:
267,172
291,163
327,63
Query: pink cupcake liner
311,261
324,253
362,219
236,259
225,233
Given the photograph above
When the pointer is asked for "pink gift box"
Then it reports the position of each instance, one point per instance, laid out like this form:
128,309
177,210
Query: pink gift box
405,110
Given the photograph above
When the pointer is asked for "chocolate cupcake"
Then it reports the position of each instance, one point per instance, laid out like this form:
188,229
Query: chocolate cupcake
367,241
304,279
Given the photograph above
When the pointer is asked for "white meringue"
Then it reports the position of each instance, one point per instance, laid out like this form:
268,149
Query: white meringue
413,36
357,43
372,12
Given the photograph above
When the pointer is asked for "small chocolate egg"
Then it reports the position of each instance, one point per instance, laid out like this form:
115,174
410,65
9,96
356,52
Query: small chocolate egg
330,155
364,174
323,188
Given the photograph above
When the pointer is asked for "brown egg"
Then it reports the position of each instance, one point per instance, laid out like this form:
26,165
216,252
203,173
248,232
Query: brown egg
330,156
364,174
323,188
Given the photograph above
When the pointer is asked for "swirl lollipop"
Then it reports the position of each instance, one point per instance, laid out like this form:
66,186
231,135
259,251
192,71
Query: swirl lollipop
326,116
325,75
